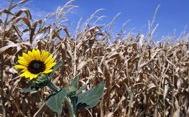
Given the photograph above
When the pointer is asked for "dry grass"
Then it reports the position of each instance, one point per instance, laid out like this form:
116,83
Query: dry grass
142,79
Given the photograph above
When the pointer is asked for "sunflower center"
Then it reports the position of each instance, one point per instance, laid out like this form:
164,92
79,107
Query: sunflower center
36,66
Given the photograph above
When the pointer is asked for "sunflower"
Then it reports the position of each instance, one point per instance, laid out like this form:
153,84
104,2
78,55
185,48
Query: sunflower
35,62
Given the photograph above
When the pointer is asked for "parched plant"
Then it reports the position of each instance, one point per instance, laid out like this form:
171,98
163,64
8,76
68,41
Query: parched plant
38,66
46,71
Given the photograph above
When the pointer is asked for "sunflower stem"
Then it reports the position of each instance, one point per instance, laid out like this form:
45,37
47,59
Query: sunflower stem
53,87
67,99
70,107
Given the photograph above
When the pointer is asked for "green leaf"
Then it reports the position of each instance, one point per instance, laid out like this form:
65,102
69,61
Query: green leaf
55,101
34,85
73,86
90,98
81,89
28,90
75,82
72,89
40,82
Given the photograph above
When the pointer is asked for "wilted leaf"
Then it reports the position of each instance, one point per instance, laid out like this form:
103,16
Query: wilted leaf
166,88
82,64
10,44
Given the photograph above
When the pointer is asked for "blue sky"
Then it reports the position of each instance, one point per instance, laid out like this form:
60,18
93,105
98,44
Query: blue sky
172,16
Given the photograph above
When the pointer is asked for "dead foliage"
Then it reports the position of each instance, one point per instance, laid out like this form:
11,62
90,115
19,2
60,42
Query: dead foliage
142,78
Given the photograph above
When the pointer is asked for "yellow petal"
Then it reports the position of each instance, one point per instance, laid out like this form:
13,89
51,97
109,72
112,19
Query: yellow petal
45,55
38,55
47,71
29,75
27,57
20,67
30,53
50,58
34,54
23,62
49,65
24,70
33,76
51,61
24,75
21,58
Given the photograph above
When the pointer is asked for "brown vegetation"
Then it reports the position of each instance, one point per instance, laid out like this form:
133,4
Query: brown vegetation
142,78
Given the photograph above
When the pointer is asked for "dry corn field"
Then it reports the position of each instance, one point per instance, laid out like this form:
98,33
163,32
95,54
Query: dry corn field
142,78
